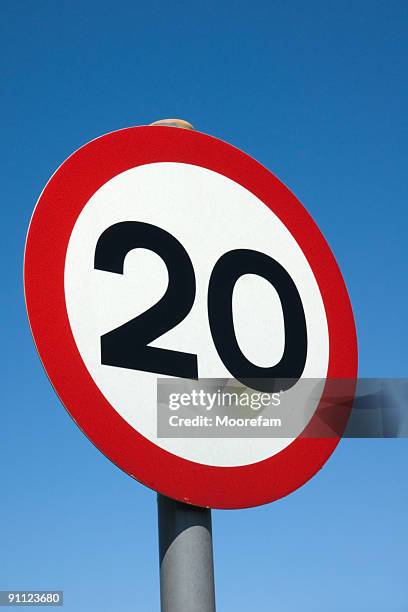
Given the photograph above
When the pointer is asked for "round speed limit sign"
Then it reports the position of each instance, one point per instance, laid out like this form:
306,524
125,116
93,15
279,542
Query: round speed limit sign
160,252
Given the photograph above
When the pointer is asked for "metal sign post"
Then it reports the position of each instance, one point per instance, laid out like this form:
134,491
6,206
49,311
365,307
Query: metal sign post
185,538
186,557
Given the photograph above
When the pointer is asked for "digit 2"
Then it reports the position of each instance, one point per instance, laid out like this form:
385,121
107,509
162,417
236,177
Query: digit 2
127,345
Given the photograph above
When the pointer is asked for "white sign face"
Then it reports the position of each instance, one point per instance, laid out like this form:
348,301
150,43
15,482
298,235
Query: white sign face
159,253
210,215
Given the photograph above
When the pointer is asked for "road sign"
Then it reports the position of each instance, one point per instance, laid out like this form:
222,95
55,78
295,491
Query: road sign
160,252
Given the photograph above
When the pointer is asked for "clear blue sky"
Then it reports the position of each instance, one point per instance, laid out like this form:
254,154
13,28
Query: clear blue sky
317,92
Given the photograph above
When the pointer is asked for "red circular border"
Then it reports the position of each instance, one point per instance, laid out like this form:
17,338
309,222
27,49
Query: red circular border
57,210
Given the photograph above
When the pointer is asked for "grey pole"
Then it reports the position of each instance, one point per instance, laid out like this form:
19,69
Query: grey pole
186,557
185,538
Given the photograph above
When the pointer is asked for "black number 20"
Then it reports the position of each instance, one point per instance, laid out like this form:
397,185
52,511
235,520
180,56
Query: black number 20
127,346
